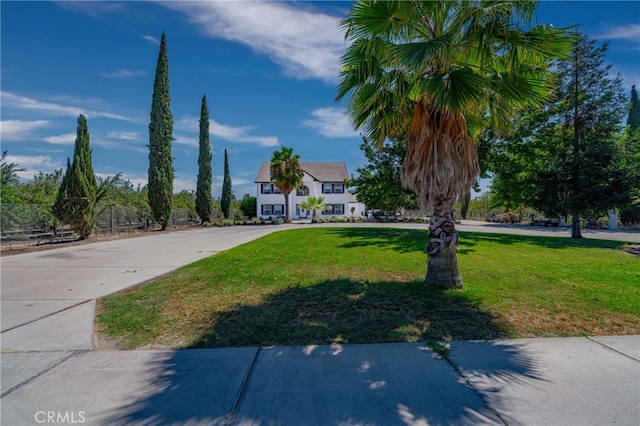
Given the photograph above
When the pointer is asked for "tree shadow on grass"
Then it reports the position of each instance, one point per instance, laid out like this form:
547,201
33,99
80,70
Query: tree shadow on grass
335,383
346,311
411,240
474,238
401,240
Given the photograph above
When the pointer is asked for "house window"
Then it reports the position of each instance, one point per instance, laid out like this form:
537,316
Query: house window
265,188
336,209
302,191
333,188
269,188
272,209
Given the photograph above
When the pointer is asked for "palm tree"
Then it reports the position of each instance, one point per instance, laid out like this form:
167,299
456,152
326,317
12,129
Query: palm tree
428,72
287,174
314,204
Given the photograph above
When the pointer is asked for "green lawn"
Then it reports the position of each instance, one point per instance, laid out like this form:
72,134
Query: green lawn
365,285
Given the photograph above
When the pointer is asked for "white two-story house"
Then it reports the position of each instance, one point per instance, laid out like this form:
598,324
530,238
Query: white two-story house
320,180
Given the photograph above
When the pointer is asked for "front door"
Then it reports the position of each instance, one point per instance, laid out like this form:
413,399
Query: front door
301,213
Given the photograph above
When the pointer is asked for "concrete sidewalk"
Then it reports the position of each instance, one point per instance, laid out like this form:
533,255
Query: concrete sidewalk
576,381
50,372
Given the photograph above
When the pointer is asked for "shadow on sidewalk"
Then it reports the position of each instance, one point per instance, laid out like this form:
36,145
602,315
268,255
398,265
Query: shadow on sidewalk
403,384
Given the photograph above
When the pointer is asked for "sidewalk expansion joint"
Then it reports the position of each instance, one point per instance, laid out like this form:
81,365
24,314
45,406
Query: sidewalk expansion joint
457,370
243,389
610,348
47,316
40,374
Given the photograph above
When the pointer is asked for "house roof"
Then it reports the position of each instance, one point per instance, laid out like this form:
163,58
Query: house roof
323,172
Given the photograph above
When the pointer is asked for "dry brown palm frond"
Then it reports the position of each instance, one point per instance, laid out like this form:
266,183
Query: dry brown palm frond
442,159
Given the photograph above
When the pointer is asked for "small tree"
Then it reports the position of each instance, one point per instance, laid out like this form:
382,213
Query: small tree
203,187
314,204
9,180
227,194
286,173
160,138
185,199
249,206
378,182
75,203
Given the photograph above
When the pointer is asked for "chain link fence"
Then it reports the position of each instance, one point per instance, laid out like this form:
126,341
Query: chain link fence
34,223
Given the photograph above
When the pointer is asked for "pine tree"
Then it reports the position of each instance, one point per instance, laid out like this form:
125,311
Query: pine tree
160,138
203,187
76,200
596,109
227,195
633,120
565,159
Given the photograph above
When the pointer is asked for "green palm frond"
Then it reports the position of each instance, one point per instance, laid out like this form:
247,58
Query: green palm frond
370,18
419,54
433,71
456,89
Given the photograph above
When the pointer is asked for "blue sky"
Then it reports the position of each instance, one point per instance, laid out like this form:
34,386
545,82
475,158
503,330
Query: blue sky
269,70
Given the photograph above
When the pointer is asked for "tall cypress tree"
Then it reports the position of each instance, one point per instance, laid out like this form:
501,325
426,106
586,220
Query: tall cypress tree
160,138
203,187
75,203
633,120
225,201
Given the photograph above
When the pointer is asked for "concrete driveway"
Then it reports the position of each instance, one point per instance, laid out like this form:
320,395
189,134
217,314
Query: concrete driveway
51,374
48,297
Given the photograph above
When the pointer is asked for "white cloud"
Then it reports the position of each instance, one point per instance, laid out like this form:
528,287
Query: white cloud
17,130
13,101
185,140
96,9
331,122
123,73
126,136
229,133
33,164
187,124
239,185
306,44
65,139
240,134
152,39
117,144
183,184
627,32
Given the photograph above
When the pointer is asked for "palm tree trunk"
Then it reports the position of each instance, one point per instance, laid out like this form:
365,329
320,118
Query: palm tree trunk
442,262
287,219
